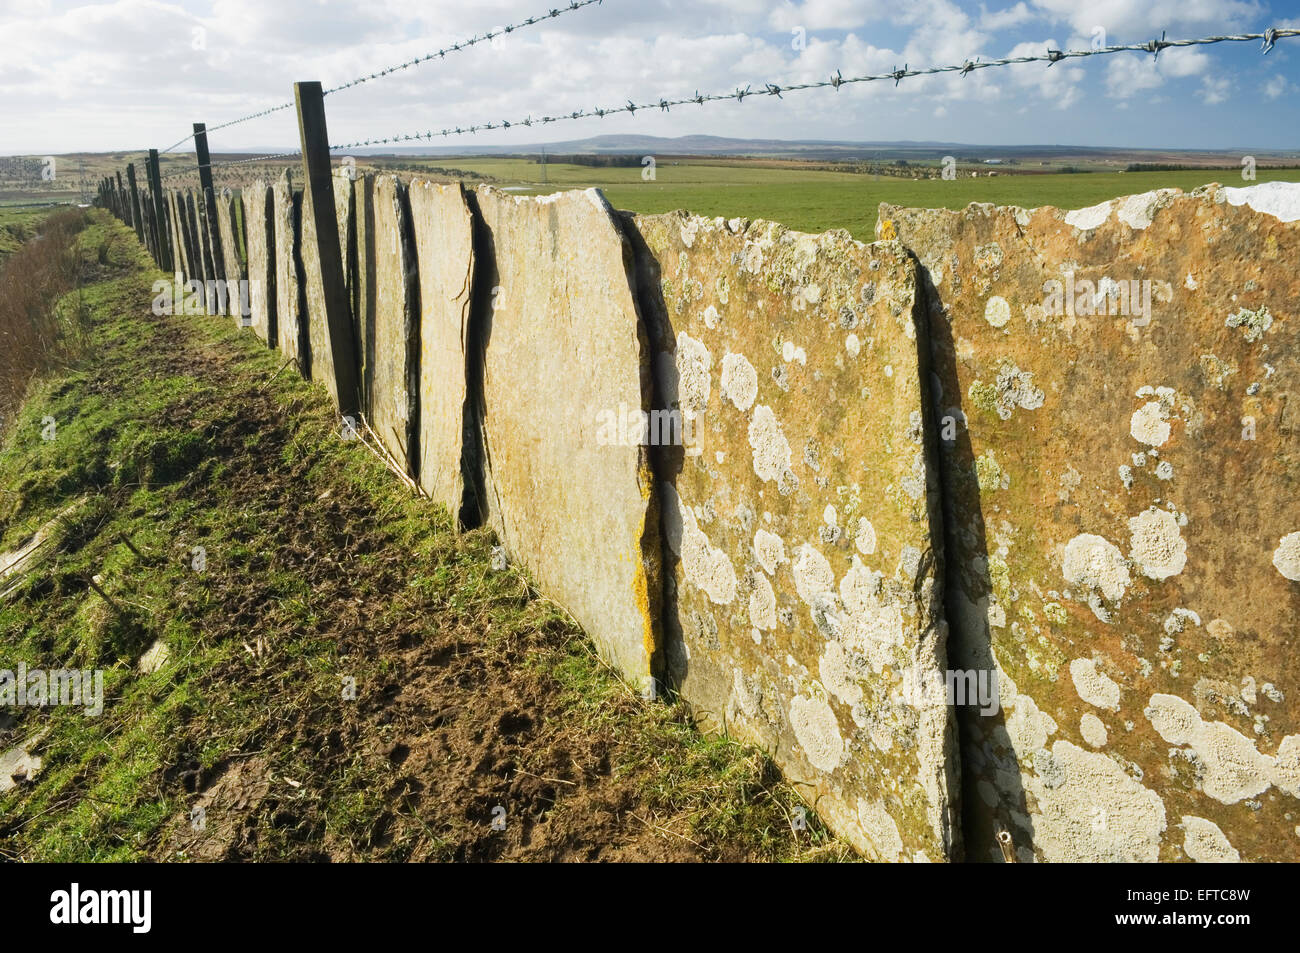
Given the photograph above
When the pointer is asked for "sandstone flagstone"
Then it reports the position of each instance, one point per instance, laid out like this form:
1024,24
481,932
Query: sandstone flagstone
291,338
563,345
803,606
391,328
444,250
228,220
259,233
1119,396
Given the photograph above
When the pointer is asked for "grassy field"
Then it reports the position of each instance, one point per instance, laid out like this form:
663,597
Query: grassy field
174,434
816,201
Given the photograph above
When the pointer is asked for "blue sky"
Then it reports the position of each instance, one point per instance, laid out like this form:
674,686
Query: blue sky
131,74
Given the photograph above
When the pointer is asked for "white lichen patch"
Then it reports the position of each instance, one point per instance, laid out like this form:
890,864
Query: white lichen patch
739,380
1204,843
705,566
817,731
1279,199
710,317
1136,211
880,830
1088,218
1177,620
1093,686
1015,388
865,537
1286,558
997,312
814,580
762,603
1150,425
1097,564
790,352
1286,765
1090,810
769,550
852,344
1027,727
771,449
836,674
1093,730
1255,322
1157,547
694,363
1233,769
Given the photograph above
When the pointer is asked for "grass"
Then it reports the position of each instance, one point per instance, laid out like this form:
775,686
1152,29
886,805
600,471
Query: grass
176,437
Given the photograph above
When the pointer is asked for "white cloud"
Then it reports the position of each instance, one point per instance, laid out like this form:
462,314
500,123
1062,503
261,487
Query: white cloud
994,20
1146,18
1130,73
1215,89
1276,86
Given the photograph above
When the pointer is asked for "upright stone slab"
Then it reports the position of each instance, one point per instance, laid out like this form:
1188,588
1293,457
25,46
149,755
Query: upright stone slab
1121,390
444,252
178,230
344,188
289,317
565,343
392,348
318,337
227,223
799,494
259,233
199,209
366,277
197,259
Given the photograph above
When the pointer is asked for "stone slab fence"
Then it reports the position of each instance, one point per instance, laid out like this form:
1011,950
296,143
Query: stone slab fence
987,531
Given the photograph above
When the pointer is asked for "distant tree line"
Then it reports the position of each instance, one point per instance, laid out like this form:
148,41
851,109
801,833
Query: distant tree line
603,161
1173,167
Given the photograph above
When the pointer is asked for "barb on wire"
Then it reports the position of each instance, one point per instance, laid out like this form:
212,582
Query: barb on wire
773,89
377,74
464,44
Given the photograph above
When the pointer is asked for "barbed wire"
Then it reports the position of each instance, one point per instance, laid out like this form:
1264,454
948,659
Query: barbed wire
398,67
229,162
1051,57
466,44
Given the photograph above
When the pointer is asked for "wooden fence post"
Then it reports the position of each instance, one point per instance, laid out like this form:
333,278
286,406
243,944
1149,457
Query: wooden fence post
155,188
318,201
135,201
212,234
123,210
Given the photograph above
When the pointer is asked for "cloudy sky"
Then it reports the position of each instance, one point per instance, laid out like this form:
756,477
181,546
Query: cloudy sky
132,74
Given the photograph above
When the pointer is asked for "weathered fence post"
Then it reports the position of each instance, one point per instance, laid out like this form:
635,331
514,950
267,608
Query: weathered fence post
155,189
123,210
135,201
318,202
211,233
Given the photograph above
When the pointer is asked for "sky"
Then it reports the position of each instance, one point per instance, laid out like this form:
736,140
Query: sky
135,74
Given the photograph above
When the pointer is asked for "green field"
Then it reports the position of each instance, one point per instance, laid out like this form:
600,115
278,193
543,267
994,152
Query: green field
816,201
